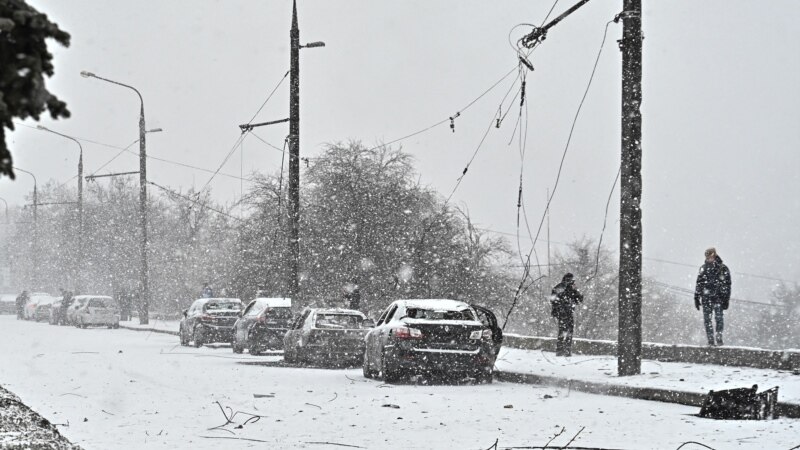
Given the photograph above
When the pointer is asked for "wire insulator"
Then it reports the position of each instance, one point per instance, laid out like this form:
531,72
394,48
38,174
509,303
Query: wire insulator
453,121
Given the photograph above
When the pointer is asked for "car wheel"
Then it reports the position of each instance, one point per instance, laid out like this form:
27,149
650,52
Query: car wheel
198,336
255,349
390,375
288,356
367,371
182,336
116,325
484,376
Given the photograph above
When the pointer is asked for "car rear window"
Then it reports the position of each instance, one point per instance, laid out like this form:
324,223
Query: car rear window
280,313
102,303
338,321
213,306
431,314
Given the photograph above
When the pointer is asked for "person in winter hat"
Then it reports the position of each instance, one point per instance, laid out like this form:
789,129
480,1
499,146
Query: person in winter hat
713,293
563,300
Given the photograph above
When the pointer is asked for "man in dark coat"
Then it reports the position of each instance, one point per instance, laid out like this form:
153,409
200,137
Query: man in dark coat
22,299
563,300
713,292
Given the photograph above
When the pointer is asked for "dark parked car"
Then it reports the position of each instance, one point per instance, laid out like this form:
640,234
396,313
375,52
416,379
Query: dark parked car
327,336
447,337
262,325
209,320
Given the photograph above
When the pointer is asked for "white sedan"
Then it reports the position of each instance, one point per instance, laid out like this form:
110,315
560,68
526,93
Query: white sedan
96,310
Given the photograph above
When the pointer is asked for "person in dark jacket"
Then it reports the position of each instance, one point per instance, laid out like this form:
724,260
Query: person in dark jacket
22,299
352,294
563,300
713,293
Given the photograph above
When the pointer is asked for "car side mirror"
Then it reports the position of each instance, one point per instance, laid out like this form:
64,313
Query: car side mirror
185,312
368,323
240,313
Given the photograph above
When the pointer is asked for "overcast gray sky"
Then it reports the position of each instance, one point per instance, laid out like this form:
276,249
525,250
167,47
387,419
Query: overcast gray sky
720,136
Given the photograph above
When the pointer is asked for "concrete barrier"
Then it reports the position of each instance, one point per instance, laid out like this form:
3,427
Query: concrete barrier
721,356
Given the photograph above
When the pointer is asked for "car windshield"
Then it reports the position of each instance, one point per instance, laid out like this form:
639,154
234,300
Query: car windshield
339,321
431,314
215,306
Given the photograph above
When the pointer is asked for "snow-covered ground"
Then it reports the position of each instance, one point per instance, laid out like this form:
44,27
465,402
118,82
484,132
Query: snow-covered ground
128,389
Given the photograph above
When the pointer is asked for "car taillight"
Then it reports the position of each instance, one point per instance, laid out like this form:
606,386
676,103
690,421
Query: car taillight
477,334
407,333
206,318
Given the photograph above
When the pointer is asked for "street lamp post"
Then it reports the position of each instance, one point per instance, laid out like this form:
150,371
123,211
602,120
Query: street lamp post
79,265
34,252
294,152
143,275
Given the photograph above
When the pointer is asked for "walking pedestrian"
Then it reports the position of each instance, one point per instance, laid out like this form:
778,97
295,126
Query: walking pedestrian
22,299
563,300
352,294
713,293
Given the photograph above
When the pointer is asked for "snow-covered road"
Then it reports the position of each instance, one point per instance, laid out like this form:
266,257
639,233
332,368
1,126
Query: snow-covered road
129,389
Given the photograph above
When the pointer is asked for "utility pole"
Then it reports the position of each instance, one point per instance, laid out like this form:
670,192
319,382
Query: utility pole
294,154
144,281
629,345
34,280
78,282
294,157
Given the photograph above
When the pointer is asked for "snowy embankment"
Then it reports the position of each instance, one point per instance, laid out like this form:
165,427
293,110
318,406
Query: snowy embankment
683,377
158,326
23,428
126,389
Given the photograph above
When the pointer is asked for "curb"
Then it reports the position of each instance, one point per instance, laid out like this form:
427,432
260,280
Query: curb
151,330
789,410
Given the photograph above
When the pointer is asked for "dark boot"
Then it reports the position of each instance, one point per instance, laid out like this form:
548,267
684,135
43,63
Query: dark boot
568,345
719,338
559,347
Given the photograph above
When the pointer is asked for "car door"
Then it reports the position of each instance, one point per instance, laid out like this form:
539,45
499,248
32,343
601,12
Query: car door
241,326
384,332
190,318
292,338
488,319
373,336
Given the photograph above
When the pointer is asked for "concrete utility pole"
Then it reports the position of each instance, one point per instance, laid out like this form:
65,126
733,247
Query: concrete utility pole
144,281
294,157
294,154
629,345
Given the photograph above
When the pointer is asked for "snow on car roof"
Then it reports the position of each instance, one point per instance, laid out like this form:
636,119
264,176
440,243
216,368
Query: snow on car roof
435,304
351,312
201,301
91,296
8,298
275,302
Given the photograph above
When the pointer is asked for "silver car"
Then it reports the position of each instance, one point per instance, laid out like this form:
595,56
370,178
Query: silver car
96,310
